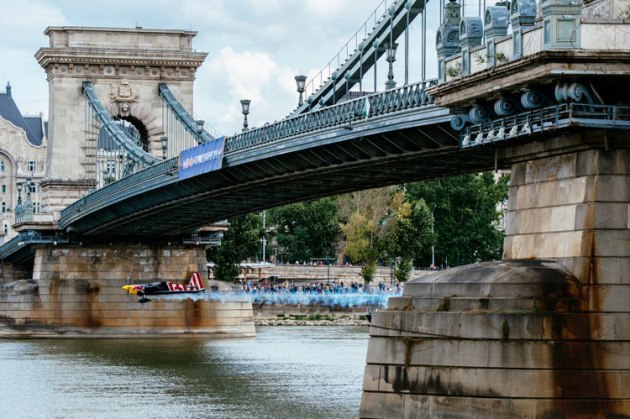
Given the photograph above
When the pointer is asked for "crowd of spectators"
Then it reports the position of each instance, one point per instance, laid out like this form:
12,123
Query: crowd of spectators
321,287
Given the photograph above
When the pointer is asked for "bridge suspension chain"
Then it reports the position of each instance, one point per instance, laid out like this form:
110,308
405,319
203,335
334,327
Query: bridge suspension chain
117,155
180,128
390,20
90,163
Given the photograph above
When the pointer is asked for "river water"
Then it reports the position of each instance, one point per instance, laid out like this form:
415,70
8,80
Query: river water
285,372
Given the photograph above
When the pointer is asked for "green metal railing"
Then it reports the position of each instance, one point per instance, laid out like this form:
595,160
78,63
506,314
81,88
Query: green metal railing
377,104
545,119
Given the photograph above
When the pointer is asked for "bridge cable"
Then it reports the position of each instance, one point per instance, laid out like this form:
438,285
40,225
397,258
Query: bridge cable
190,125
120,137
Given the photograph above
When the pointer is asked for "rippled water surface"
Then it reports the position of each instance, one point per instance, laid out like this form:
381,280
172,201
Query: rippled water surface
285,372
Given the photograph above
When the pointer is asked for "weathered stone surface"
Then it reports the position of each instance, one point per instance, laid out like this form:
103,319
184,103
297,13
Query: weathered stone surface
482,353
79,293
125,67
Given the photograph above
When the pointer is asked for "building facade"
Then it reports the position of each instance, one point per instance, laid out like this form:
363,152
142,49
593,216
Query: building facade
23,141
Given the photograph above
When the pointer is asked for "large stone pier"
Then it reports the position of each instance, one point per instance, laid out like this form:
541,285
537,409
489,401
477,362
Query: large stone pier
75,291
544,333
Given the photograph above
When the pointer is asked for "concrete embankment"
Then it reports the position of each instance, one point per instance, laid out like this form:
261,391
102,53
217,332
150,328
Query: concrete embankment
310,315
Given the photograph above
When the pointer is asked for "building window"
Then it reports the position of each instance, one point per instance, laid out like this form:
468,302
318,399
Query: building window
110,167
4,188
2,166
36,207
6,228
30,165
4,207
33,188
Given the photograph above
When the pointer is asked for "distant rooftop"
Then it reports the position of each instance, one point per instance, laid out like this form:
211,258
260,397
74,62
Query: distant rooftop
33,126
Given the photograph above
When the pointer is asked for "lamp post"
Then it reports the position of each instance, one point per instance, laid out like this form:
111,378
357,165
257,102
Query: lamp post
245,105
200,123
376,45
301,82
433,234
164,142
328,269
347,77
19,188
19,209
28,204
263,239
408,6
334,76
362,46
392,263
391,57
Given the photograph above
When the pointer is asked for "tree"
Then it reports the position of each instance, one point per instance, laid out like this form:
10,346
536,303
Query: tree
409,234
363,214
239,243
306,230
465,216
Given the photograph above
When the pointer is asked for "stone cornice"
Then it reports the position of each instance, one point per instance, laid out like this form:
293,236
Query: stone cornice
87,56
544,66
92,63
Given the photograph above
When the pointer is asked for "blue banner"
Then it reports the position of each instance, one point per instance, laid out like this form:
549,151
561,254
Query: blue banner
201,159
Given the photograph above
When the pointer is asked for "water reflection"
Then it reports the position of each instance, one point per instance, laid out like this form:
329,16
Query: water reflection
285,372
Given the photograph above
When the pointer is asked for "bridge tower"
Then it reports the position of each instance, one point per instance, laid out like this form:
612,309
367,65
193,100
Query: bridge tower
125,67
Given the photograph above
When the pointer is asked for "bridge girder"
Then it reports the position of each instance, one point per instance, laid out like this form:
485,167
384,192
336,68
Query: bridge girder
382,151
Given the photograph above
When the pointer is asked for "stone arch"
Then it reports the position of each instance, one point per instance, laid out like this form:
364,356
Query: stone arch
141,129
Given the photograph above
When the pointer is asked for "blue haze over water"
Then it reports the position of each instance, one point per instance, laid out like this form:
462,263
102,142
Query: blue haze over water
342,300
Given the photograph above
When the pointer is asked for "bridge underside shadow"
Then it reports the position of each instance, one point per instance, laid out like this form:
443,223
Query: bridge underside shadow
364,155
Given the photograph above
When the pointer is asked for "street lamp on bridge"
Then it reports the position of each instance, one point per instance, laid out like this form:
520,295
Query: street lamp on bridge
164,141
301,82
391,57
245,105
200,123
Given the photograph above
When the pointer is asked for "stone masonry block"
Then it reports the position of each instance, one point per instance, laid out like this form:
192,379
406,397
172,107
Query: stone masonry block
604,216
551,168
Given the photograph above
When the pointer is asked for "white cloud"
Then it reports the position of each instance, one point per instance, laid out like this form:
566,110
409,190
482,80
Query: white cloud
323,8
255,47
24,21
232,76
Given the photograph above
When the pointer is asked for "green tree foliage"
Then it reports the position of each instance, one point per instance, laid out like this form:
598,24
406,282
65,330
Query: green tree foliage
306,230
381,225
362,215
408,236
403,270
410,232
466,217
240,242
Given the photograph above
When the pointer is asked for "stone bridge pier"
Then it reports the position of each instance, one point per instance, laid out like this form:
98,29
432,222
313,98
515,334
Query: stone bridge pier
75,291
544,333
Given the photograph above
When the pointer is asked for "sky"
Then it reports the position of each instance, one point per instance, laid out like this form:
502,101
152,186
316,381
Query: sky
255,47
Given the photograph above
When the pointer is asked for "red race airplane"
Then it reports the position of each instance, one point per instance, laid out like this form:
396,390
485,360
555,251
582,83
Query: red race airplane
195,285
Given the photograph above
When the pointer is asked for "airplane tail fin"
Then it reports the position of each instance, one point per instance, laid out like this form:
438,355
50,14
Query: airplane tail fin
195,282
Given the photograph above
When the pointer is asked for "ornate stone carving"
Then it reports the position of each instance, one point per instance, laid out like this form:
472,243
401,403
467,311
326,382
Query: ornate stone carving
123,92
